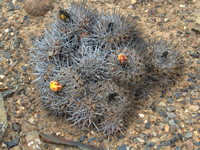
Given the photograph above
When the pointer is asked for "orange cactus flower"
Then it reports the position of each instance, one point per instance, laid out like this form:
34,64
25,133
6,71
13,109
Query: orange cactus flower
122,58
55,86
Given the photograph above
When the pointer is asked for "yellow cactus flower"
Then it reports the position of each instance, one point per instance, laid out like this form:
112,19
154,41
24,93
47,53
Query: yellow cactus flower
122,58
62,17
55,86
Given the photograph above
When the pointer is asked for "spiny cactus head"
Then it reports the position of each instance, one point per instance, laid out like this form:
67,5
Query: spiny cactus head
55,86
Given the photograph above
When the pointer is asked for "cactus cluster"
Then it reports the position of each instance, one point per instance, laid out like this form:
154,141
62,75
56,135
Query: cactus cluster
92,66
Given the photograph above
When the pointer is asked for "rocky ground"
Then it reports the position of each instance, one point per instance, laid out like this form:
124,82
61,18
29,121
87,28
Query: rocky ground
169,119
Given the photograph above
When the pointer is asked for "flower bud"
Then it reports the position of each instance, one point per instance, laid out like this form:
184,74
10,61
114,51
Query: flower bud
122,58
55,86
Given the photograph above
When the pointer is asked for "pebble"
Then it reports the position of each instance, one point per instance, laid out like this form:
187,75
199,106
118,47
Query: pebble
32,139
177,95
171,108
197,143
141,115
188,135
172,129
16,127
91,139
4,19
162,125
13,143
32,121
195,55
161,15
180,136
152,118
37,8
16,43
170,100
140,140
171,115
147,125
123,147
188,121
167,128
150,144
24,68
18,113
194,108
178,147
171,122
167,143
190,144
162,104
184,94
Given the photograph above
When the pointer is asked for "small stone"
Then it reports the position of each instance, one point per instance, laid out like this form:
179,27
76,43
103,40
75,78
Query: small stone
22,134
16,127
167,143
149,111
197,143
171,122
24,68
190,144
123,147
161,15
18,113
180,136
161,125
171,108
1,46
172,129
37,8
16,43
33,141
3,117
177,95
194,108
195,55
152,118
171,115
196,26
188,134
188,121
179,32
140,140
162,104
184,94
11,6
12,143
91,139
170,100
165,119
7,55
32,121
147,125
150,144
141,115
167,128
58,133
4,19
81,138
137,129
178,148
